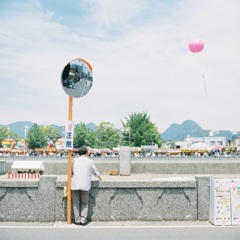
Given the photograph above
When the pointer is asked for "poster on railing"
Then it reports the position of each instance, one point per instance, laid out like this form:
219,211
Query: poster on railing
220,201
235,201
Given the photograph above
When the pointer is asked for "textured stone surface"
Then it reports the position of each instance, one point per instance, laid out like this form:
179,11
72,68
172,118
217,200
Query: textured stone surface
203,183
46,198
153,199
180,204
99,208
174,167
24,183
28,200
125,160
60,205
116,199
17,204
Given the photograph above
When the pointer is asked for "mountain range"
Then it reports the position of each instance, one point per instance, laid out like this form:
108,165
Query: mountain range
176,132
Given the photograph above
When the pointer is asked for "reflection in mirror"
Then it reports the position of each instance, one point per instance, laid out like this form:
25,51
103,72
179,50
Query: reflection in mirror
77,78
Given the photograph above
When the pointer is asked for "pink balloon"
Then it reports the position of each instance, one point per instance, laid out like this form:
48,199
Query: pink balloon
196,46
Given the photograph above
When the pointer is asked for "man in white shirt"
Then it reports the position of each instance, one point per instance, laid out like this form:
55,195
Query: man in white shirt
82,170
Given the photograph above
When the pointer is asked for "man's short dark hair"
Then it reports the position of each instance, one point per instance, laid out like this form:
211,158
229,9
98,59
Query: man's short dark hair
82,151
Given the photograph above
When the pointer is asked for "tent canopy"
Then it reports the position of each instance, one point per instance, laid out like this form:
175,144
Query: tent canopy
200,146
28,165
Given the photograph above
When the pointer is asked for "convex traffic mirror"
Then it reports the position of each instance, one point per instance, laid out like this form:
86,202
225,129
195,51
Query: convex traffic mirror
77,78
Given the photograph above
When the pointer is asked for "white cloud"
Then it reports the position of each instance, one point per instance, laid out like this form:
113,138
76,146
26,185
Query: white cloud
140,58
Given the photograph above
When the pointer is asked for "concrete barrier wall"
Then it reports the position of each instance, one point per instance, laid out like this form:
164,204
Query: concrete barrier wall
148,165
151,200
28,200
159,199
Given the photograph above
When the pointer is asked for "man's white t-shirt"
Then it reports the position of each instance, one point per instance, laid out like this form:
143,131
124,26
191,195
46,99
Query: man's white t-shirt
82,170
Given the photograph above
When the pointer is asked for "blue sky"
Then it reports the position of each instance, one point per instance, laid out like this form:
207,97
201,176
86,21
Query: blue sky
139,53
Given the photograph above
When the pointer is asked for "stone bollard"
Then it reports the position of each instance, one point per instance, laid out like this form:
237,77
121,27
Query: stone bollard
46,198
125,161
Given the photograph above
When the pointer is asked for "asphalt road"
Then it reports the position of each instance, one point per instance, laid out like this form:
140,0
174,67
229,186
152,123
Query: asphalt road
124,232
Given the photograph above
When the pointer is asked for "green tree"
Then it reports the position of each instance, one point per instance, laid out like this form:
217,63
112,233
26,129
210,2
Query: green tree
107,135
51,133
83,136
6,132
3,134
13,135
142,130
36,137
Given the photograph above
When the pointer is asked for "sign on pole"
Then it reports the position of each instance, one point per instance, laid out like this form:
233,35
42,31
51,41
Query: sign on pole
69,130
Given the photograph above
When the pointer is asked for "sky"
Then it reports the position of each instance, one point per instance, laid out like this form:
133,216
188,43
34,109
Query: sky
139,53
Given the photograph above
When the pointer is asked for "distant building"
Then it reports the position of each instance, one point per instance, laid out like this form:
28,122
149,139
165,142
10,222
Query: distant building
211,141
215,141
235,143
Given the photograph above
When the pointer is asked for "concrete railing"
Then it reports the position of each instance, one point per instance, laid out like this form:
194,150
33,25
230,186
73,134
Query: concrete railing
174,166
156,197
117,199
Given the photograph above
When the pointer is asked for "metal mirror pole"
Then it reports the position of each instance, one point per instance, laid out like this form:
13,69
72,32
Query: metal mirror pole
69,193
76,80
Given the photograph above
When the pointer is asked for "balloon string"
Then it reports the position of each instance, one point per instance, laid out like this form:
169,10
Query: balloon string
205,87
204,82
203,77
208,103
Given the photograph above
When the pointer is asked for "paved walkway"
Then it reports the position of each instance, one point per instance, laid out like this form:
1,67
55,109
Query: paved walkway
105,224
